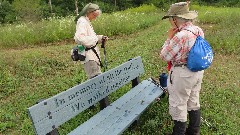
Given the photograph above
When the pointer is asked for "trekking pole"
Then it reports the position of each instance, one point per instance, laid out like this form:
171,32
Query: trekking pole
208,124
156,83
104,48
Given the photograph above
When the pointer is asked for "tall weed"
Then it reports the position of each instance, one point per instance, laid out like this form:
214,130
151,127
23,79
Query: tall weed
31,34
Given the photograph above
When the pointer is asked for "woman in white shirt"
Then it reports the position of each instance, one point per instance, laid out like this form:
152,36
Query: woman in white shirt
86,36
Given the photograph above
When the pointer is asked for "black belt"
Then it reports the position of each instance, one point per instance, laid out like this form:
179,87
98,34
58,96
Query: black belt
179,65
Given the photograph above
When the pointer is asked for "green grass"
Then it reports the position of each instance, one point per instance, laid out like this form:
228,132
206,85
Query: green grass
30,74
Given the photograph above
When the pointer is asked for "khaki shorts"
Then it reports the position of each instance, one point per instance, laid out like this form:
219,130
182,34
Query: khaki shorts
92,69
183,87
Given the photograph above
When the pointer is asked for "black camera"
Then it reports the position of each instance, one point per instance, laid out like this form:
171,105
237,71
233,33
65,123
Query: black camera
75,55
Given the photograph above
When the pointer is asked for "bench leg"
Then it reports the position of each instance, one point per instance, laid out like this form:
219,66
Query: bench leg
135,124
104,103
135,82
53,132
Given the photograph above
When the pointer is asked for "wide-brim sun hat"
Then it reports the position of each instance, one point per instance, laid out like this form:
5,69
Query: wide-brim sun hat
181,9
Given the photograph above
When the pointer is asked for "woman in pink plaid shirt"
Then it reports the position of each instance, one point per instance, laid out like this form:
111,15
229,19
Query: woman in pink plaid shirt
183,85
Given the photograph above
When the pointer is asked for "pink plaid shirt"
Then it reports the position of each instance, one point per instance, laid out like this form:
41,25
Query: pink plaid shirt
176,49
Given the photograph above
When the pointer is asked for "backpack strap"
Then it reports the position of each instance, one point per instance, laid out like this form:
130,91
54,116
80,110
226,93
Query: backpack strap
192,32
86,49
93,49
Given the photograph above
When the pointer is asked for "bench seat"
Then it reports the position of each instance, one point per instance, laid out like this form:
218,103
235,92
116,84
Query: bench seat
119,115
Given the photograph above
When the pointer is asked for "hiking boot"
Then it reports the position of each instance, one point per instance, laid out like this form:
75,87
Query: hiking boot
179,128
194,122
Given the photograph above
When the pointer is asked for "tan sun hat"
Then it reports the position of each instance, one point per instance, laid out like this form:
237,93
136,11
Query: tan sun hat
181,9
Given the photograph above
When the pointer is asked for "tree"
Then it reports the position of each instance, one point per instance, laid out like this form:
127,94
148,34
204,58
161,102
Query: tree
6,12
76,7
50,5
63,7
28,10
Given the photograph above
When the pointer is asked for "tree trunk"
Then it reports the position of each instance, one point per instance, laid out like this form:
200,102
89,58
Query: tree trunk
50,4
76,7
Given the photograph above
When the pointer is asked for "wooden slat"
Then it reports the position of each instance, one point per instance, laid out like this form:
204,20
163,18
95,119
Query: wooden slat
116,118
58,109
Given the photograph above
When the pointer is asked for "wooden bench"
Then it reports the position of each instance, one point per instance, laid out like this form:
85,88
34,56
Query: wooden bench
49,114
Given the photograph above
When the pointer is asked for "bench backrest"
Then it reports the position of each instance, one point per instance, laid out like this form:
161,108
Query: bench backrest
53,112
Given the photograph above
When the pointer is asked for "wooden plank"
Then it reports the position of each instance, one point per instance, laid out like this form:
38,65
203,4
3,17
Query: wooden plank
117,117
58,109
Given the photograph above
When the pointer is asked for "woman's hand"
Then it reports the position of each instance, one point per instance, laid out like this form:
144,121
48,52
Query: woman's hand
104,38
172,32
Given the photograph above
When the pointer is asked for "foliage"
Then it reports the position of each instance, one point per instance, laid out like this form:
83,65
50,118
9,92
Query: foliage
220,3
106,7
63,7
30,34
27,10
7,13
141,9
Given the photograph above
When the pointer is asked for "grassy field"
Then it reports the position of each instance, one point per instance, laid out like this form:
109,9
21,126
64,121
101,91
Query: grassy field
57,29
30,74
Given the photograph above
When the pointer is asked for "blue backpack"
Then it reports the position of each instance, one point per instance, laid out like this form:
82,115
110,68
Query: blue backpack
200,56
